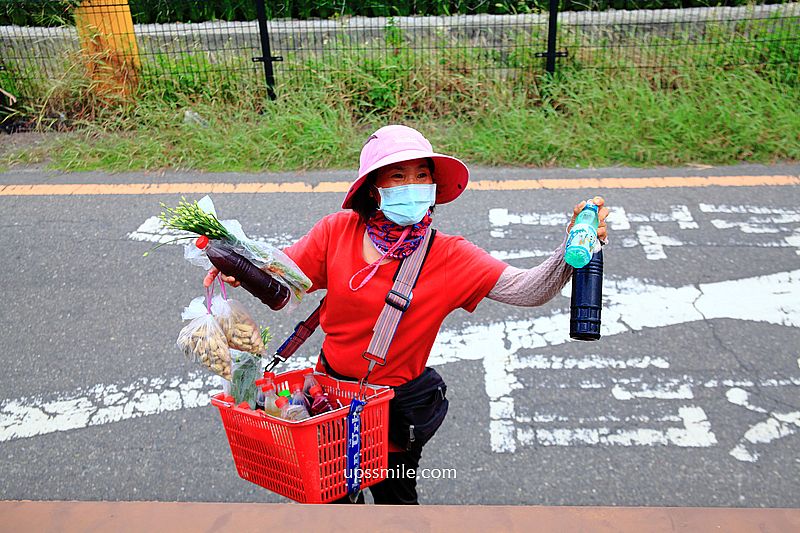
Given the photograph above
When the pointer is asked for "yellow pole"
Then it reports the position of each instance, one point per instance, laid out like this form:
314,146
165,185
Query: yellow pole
108,42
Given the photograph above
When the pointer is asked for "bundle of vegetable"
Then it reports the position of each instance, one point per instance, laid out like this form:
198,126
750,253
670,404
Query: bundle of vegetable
200,218
247,368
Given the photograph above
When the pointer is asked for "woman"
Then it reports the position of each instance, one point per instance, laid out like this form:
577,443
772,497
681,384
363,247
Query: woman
354,256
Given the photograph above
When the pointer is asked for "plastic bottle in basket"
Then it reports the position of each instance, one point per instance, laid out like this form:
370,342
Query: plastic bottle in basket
320,403
297,397
290,411
309,381
270,398
259,393
253,279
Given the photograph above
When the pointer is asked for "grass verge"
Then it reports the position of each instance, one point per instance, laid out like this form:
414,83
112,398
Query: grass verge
732,101
586,117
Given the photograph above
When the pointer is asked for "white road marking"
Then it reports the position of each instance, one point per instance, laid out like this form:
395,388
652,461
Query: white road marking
627,307
775,426
695,432
651,231
773,299
683,216
103,404
588,361
617,219
653,244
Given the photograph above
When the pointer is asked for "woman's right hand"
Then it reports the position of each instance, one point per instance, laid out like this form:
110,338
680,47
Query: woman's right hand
213,273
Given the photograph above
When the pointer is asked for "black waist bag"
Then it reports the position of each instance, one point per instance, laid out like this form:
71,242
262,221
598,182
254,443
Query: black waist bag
417,410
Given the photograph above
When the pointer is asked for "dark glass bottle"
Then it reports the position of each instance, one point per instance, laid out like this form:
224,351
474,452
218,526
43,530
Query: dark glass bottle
587,300
254,280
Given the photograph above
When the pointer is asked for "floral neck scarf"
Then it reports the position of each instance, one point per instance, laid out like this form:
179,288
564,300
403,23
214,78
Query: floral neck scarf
392,241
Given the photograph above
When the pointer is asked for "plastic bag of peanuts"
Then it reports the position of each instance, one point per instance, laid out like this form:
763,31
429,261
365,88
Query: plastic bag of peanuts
202,340
241,331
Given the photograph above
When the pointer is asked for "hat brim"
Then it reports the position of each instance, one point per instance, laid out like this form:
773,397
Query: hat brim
450,174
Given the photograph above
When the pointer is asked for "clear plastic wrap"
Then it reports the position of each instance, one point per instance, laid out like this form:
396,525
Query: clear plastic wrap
265,256
246,369
202,339
241,330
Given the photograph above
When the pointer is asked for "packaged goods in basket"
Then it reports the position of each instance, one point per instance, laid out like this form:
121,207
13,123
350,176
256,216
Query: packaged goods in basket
200,218
291,411
309,381
270,400
202,340
297,397
304,460
319,403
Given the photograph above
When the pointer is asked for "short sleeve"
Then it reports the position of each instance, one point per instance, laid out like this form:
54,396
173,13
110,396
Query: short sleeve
310,254
471,273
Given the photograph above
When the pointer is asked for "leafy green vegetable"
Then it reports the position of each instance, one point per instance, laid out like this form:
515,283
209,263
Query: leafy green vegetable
246,370
266,336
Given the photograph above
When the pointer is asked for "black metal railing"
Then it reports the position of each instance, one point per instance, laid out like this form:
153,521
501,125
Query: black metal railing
133,44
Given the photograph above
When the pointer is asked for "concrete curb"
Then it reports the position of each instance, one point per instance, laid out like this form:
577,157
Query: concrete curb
169,516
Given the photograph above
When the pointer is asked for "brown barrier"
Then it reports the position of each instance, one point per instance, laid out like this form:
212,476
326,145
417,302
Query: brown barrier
161,516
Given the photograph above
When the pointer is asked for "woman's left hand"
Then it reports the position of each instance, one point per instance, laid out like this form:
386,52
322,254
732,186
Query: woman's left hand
602,213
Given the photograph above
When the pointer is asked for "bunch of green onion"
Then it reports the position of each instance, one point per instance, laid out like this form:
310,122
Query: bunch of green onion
189,217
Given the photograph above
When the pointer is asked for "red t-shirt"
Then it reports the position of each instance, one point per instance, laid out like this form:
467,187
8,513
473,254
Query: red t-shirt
456,274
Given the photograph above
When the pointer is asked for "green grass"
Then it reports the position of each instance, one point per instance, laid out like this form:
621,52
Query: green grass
586,118
483,106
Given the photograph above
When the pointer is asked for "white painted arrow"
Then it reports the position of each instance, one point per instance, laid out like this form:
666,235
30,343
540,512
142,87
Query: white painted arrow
629,305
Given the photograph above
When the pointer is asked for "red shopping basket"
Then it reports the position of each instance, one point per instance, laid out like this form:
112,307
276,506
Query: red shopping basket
305,461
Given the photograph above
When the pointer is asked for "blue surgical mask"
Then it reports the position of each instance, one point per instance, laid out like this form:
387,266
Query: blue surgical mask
407,204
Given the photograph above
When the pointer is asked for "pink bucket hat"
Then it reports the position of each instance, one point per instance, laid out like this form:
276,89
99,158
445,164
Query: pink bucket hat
394,144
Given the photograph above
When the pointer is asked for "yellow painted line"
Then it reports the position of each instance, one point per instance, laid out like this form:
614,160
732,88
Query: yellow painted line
636,183
594,184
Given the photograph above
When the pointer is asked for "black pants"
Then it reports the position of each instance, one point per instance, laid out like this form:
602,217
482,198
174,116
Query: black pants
395,490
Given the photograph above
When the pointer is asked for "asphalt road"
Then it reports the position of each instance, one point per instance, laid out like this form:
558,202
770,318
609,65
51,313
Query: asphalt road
689,399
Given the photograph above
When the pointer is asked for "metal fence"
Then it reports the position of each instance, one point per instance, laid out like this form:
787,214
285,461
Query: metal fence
102,41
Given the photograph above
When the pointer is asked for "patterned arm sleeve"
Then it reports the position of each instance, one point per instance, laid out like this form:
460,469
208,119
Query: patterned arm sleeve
534,286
